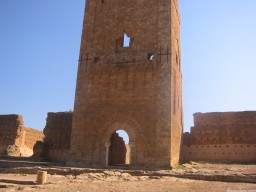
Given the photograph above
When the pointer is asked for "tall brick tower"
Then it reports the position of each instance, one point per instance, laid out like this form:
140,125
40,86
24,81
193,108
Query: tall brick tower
129,78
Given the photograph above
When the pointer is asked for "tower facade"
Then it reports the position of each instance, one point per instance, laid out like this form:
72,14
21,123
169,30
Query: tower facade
129,78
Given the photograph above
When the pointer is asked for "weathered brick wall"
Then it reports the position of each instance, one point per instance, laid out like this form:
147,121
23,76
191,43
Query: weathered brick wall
57,136
119,85
13,133
176,98
222,137
32,136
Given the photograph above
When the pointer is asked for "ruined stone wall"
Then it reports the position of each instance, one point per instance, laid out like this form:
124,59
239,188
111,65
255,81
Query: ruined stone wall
222,137
57,136
32,136
134,87
11,131
15,139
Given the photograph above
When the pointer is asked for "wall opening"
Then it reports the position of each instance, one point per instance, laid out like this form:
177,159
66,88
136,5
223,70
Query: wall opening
96,59
127,40
150,56
119,150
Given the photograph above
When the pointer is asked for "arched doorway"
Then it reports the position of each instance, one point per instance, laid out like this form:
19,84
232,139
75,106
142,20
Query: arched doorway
119,150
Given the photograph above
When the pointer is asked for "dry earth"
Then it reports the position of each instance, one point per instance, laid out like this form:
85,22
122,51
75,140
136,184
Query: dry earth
121,181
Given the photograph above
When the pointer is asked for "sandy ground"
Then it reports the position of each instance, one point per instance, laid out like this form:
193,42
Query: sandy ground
118,183
115,181
193,167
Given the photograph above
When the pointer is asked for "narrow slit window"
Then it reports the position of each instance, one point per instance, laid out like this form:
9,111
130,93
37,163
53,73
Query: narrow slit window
127,40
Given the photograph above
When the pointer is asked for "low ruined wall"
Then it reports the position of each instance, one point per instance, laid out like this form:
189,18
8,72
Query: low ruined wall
32,136
15,139
57,136
222,137
11,131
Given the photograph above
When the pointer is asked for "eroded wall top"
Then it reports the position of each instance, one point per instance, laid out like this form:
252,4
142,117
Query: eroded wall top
225,118
223,128
58,130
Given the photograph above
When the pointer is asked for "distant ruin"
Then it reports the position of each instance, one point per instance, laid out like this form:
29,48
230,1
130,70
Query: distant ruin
222,137
15,139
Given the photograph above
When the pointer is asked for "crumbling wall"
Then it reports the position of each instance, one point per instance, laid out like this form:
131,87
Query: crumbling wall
57,136
15,139
117,150
32,136
222,137
11,131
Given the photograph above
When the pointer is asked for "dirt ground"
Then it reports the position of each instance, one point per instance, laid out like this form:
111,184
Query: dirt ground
118,181
201,167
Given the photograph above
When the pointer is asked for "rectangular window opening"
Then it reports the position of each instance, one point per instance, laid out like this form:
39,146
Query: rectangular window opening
127,40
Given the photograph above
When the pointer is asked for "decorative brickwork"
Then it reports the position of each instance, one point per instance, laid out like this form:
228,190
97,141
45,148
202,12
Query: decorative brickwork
15,139
57,136
136,84
222,137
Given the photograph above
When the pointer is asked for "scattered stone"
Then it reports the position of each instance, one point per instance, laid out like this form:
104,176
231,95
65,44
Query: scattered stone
125,175
95,175
20,189
111,178
70,176
109,172
6,185
41,177
10,190
154,177
193,163
38,187
186,165
143,178
116,173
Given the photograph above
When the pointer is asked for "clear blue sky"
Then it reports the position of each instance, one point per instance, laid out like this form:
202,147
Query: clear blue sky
39,48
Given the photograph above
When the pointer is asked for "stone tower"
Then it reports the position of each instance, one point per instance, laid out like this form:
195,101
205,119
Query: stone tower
132,85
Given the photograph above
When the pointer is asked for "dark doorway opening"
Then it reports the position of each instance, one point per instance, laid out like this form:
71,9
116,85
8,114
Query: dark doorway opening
119,150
